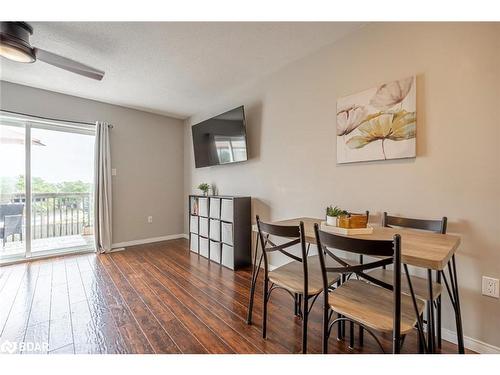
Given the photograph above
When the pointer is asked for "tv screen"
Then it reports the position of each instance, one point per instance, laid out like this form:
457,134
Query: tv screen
221,139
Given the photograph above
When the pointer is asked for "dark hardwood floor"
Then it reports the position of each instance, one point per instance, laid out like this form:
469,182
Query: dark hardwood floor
156,298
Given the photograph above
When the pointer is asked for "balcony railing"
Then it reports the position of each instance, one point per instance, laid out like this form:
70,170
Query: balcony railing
56,214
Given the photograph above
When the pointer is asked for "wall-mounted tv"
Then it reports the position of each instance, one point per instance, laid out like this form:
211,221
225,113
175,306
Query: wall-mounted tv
221,139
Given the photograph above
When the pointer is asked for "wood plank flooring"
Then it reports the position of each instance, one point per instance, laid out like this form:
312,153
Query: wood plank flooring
157,298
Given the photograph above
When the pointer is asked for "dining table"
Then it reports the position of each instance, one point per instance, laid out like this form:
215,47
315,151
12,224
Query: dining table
427,250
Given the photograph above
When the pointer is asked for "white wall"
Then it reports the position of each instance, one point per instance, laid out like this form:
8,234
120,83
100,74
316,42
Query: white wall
291,132
146,150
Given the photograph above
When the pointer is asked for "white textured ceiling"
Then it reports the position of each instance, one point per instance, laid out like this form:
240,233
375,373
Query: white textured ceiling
164,67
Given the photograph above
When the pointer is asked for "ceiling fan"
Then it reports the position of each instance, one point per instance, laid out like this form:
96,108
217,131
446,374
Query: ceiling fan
15,45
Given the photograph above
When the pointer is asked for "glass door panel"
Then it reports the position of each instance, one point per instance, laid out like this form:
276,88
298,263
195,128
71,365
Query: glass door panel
12,190
62,191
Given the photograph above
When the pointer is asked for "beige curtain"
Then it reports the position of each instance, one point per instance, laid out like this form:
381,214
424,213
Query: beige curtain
102,190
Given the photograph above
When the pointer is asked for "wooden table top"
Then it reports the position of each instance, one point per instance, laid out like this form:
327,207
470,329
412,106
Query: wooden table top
418,248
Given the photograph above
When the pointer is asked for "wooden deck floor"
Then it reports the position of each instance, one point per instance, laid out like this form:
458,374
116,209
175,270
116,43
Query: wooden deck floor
156,298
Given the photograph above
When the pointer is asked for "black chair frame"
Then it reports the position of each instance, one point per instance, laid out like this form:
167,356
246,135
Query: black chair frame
11,214
297,234
390,251
436,226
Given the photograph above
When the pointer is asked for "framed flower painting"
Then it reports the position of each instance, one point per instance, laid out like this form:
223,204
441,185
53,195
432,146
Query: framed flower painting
379,123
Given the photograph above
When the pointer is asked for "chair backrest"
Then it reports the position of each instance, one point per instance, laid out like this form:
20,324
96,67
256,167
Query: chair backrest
13,224
389,250
383,249
10,209
437,226
296,236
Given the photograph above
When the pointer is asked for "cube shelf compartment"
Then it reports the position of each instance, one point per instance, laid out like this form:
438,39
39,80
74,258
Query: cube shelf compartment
220,229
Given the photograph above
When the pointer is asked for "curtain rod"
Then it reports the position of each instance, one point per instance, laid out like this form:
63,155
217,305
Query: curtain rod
53,119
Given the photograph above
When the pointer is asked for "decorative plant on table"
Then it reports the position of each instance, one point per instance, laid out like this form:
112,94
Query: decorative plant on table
332,213
204,187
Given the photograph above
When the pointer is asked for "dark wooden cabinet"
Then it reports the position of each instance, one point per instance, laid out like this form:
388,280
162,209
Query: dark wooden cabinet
220,229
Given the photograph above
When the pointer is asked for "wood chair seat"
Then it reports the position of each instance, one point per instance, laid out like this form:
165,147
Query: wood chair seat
373,306
420,284
290,276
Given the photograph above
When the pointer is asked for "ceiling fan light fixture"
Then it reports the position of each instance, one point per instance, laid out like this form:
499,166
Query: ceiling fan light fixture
15,42
15,53
15,45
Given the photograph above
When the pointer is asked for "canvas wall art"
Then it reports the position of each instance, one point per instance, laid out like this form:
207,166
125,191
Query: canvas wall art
379,123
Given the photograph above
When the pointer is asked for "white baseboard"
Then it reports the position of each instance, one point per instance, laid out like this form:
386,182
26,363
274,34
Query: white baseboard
470,343
146,240
186,236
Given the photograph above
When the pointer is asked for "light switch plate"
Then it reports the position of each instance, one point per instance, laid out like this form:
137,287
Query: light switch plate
113,171
490,287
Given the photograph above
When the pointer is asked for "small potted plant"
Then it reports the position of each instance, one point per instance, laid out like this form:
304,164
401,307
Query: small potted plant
204,187
332,213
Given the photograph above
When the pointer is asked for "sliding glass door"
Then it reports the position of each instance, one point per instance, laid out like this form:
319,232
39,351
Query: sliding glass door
12,190
49,179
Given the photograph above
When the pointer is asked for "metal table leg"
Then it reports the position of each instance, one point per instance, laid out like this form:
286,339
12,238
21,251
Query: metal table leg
452,288
430,316
422,343
458,313
439,314
255,274
351,335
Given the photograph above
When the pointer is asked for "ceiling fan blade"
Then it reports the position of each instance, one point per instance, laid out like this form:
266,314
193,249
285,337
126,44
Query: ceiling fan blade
68,64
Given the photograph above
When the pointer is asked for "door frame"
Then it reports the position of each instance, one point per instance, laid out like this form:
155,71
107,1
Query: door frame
27,188
28,125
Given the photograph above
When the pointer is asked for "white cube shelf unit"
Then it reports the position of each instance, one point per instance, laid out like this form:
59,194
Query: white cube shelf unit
220,229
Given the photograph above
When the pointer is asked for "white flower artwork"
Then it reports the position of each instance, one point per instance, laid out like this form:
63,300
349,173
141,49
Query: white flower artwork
378,124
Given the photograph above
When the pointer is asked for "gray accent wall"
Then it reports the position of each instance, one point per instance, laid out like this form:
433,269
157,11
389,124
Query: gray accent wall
146,150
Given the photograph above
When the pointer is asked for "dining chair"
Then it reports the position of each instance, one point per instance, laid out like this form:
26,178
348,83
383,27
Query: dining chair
375,305
344,277
293,277
420,285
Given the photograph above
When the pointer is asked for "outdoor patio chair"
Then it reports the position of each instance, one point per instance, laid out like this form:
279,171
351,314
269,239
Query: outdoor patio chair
11,221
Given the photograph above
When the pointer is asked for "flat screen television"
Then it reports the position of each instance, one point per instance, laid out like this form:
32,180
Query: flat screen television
221,139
